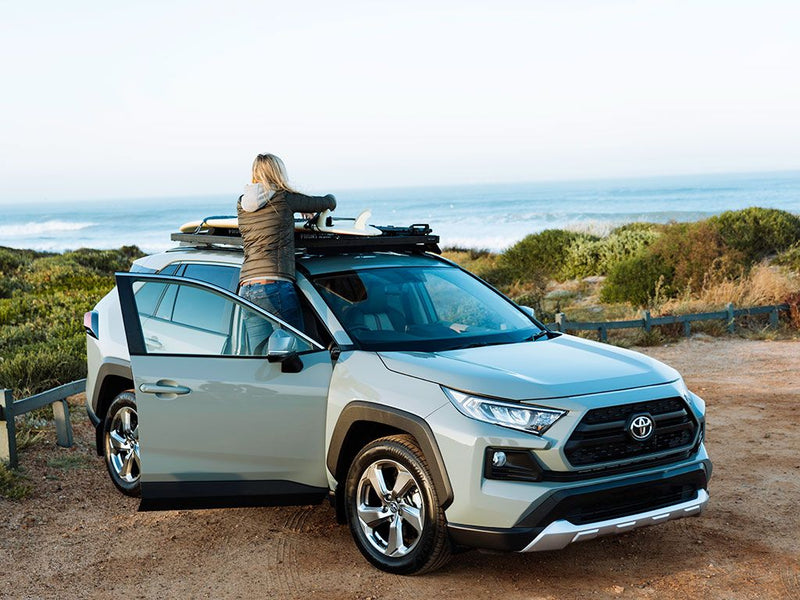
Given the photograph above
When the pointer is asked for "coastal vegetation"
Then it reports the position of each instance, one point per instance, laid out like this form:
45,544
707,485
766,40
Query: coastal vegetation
43,297
748,257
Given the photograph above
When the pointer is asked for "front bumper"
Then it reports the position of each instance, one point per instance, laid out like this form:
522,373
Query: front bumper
561,533
585,512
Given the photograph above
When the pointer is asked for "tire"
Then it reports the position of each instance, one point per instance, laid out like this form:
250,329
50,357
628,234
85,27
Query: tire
121,444
408,506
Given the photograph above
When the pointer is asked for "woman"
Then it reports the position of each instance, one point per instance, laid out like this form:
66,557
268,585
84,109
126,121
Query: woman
266,222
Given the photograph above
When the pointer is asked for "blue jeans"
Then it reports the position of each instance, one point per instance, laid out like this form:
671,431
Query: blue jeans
278,298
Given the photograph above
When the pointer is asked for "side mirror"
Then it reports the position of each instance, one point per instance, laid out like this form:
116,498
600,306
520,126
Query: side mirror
529,311
282,348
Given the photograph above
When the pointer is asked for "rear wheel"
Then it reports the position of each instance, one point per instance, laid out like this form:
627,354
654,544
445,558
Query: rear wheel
393,510
121,444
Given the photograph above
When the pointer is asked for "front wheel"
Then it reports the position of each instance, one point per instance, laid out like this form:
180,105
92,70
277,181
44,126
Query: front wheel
393,509
121,444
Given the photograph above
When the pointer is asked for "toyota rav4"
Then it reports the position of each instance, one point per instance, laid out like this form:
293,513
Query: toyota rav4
433,411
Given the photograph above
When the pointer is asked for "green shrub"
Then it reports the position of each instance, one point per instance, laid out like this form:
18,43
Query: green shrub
42,343
105,262
790,258
11,258
655,228
597,256
44,365
695,253
757,232
635,280
540,255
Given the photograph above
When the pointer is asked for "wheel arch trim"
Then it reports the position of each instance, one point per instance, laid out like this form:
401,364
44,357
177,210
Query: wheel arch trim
360,411
107,369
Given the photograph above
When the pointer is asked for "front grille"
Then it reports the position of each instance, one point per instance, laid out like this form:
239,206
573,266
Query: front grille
602,435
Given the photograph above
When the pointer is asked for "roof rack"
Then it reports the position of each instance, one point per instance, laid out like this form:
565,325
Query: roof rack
413,238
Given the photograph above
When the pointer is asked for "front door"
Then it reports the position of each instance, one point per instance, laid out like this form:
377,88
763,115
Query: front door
219,424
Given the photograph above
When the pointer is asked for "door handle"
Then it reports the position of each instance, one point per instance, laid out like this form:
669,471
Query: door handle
160,388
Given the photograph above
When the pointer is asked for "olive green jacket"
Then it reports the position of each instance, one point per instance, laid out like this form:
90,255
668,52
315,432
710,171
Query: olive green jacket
268,233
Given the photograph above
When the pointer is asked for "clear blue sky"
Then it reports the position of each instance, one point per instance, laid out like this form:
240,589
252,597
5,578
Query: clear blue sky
101,99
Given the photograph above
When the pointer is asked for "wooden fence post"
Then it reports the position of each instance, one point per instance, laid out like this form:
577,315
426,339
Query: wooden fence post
773,318
8,430
731,318
646,318
687,328
602,334
63,424
560,320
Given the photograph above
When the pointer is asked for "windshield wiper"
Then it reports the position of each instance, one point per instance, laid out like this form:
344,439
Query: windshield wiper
539,335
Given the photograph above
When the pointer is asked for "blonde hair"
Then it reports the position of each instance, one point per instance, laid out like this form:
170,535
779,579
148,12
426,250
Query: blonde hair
269,171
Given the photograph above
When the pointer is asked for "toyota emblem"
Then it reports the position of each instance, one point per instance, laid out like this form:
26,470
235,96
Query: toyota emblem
641,427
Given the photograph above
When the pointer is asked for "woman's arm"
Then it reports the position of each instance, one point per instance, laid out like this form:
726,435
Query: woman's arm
310,204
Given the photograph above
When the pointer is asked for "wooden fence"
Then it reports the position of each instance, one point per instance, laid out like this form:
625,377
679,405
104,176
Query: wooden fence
10,408
647,322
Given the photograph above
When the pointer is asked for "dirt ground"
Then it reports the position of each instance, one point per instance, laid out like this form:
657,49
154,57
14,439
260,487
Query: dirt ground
76,537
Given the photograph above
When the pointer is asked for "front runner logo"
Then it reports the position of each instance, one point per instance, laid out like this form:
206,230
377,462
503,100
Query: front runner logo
641,427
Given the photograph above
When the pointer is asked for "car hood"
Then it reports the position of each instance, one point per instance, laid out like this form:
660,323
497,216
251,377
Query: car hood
555,368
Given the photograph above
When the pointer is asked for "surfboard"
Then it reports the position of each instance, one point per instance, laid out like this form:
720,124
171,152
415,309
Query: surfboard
324,223
223,222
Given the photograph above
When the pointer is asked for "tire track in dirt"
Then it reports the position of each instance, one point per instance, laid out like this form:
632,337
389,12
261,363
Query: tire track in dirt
790,580
281,568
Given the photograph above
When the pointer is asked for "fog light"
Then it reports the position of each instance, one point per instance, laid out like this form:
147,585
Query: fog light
511,464
499,459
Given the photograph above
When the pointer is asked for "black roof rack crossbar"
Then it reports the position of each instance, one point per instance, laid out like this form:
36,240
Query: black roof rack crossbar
415,238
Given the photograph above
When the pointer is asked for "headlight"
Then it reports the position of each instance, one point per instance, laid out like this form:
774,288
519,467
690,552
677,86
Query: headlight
530,419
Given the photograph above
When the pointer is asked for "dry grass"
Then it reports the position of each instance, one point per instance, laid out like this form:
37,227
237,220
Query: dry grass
763,285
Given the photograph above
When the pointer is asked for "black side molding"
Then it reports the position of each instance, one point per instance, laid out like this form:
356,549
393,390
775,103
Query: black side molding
187,495
376,413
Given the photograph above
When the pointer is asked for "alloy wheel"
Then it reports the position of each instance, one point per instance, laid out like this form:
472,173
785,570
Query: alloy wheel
390,508
123,445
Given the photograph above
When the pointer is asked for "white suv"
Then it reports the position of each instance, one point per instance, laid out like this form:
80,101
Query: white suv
433,411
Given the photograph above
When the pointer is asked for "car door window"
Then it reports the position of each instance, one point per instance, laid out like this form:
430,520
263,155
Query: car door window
224,276
203,322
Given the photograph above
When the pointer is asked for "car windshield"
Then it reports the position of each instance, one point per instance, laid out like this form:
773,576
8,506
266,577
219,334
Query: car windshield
422,308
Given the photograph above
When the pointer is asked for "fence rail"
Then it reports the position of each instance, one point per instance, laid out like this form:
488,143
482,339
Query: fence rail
647,322
10,408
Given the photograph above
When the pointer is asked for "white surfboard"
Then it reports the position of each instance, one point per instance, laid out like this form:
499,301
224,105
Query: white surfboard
327,224
210,223
324,223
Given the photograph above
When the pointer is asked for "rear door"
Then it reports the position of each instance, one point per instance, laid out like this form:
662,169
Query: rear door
220,425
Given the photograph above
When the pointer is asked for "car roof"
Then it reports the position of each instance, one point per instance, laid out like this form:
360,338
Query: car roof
311,263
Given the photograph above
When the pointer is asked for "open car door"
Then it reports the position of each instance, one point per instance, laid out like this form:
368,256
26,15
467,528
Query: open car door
225,419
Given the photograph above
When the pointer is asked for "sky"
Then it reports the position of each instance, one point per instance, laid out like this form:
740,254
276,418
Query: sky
161,98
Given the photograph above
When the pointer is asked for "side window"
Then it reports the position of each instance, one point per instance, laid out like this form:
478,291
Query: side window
167,304
203,322
170,269
221,275
201,308
147,297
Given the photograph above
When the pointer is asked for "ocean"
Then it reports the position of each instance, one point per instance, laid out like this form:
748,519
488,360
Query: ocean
490,216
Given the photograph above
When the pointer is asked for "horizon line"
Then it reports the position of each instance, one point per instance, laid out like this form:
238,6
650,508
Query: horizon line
453,185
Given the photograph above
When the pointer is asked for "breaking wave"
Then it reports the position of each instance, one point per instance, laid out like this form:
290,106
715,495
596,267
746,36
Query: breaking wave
43,228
